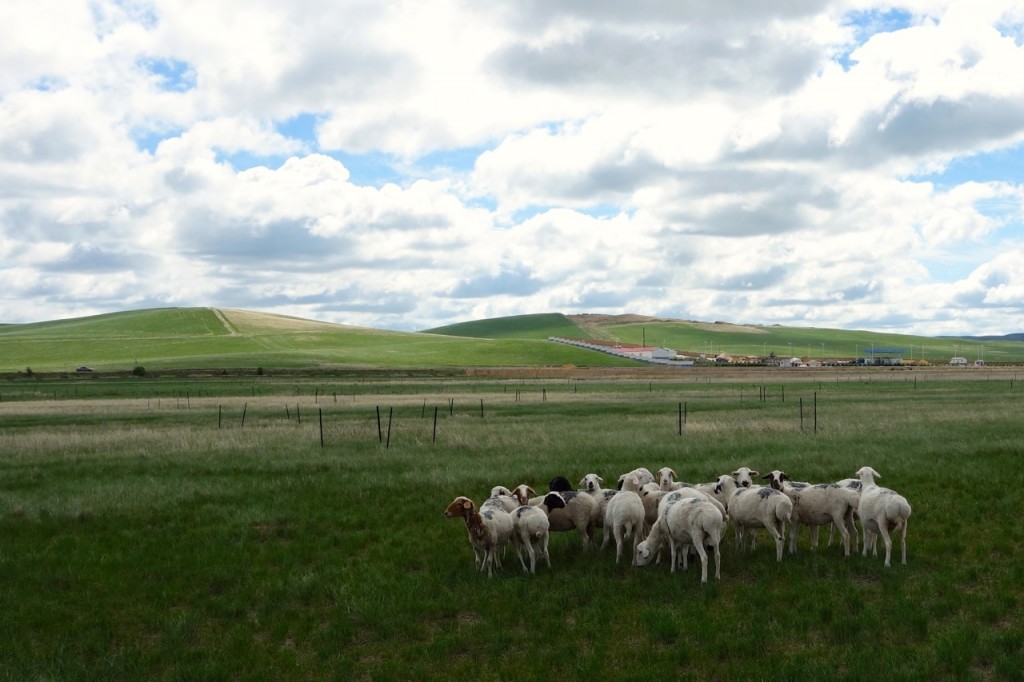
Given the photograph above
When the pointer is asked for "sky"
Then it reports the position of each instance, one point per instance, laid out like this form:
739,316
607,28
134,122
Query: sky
407,164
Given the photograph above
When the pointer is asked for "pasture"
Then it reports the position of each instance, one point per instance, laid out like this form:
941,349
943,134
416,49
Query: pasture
216,531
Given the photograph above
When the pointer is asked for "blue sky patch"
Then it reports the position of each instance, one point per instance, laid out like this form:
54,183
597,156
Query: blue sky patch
866,23
175,75
1003,165
301,127
369,170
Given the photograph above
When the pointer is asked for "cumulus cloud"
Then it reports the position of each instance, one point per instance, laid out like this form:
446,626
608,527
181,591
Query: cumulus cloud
406,165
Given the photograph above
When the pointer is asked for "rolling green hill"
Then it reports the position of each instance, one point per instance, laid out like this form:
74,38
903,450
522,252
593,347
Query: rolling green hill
214,338
516,327
715,338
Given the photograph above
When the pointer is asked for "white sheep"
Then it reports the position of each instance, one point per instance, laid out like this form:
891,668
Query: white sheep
881,511
817,505
578,513
760,507
720,490
655,501
641,474
688,521
591,484
504,496
530,527
744,477
489,530
854,485
666,479
624,517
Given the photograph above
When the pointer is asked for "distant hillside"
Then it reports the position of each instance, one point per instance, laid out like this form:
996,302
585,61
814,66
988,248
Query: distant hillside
539,326
197,338
725,338
212,338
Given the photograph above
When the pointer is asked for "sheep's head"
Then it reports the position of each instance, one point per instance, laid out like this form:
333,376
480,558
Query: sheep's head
500,490
665,477
522,493
743,477
776,478
460,506
591,483
554,501
630,483
644,553
559,484
867,475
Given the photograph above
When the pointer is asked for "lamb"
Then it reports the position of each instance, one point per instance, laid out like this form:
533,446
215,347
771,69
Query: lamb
578,513
489,529
760,507
691,521
624,516
530,529
817,505
881,511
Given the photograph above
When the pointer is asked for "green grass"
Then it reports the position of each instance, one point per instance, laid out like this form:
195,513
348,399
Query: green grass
159,538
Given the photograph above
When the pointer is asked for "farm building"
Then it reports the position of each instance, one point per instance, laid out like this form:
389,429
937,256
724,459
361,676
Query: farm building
958,361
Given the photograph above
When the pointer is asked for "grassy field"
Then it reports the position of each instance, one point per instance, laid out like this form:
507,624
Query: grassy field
214,535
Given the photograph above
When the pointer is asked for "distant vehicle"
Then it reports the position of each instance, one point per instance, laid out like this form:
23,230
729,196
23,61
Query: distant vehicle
83,369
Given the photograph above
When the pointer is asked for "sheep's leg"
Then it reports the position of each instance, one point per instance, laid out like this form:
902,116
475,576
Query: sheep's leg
519,551
903,541
636,542
780,540
718,562
883,530
698,542
814,537
620,533
672,548
547,557
533,556
794,530
841,524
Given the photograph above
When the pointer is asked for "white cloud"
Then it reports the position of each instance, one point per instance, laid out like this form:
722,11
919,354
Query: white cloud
798,163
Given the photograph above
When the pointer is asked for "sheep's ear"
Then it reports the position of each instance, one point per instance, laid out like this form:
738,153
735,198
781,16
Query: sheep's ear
766,476
674,474
785,476
735,474
754,473
466,503
530,491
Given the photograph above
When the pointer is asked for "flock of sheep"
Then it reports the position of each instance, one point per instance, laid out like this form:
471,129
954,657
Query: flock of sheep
659,513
